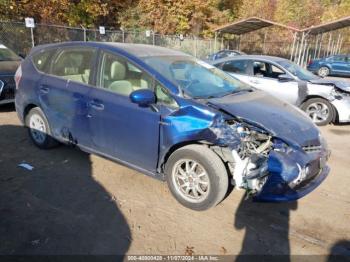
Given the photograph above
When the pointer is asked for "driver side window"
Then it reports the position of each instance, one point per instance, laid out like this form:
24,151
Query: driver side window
120,76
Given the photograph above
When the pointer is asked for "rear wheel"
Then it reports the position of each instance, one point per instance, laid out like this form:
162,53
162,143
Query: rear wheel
323,71
319,110
196,177
39,130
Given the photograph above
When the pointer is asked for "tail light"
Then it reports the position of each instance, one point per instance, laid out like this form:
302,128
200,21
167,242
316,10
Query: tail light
18,76
309,63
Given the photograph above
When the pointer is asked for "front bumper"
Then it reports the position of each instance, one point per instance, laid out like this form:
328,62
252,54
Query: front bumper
7,90
343,108
309,169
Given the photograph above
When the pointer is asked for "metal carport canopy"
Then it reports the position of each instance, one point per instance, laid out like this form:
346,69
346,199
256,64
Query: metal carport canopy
250,24
330,26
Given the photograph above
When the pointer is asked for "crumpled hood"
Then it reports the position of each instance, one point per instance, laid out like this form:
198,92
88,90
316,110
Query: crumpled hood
343,85
8,67
281,119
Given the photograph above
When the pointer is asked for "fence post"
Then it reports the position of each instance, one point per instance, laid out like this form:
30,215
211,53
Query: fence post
195,46
84,31
293,45
153,38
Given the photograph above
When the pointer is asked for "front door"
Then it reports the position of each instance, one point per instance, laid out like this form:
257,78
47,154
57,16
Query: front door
265,77
118,127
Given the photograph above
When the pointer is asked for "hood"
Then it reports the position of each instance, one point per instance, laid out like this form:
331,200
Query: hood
281,119
343,85
8,67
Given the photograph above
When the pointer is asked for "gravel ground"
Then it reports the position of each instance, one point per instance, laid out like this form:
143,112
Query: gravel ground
75,203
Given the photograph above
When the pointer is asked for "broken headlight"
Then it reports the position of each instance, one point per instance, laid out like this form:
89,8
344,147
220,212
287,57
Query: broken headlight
281,146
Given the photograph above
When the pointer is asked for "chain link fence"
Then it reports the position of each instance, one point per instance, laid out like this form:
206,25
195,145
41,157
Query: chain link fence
21,39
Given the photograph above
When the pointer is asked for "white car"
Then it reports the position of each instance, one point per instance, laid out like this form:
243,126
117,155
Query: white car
325,101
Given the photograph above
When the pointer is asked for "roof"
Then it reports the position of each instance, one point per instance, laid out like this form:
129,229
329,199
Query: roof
142,50
329,26
248,57
250,24
138,50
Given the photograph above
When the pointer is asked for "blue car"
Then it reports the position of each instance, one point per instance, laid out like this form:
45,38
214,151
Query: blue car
332,65
172,117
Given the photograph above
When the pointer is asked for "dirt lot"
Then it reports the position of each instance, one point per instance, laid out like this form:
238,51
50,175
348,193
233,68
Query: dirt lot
75,203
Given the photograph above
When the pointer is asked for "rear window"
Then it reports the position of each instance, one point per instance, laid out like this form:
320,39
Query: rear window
238,66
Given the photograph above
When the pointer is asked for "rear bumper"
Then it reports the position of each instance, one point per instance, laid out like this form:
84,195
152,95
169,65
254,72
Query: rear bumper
312,69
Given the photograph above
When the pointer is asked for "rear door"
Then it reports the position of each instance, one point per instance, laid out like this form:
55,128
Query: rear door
118,127
265,77
63,93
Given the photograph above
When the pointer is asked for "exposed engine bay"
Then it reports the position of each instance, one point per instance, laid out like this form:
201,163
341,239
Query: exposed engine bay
248,160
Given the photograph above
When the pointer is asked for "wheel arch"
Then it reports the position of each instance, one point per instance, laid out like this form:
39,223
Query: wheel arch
182,144
335,111
27,108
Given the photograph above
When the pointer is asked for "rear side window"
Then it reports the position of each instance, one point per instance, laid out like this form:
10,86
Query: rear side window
239,66
74,64
42,60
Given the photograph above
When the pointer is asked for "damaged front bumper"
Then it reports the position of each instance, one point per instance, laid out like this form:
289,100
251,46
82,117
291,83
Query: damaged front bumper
294,174
342,105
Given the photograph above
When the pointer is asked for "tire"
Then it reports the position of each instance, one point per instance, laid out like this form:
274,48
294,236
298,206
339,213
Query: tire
39,129
323,71
213,184
319,110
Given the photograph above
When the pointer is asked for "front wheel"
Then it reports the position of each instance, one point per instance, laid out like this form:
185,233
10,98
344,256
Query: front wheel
196,177
319,110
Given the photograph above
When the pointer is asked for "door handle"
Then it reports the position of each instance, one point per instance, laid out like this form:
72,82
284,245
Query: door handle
96,105
44,89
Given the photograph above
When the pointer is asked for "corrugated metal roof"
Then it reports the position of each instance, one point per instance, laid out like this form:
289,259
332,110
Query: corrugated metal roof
250,24
329,26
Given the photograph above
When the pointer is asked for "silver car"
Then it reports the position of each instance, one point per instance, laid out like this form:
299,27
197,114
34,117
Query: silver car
325,101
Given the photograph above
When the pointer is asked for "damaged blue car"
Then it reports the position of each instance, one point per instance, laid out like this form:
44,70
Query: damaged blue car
172,117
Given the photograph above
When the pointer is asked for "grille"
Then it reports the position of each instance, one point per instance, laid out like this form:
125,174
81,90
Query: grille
312,149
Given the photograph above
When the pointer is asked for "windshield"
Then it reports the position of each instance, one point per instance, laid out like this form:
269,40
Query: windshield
195,77
298,71
7,55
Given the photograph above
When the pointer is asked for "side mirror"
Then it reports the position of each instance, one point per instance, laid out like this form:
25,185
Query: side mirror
285,78
143,97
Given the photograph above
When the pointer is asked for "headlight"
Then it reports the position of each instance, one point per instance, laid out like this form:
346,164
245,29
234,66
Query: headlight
279,145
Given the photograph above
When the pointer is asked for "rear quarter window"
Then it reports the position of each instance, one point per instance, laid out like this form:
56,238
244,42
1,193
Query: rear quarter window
41,60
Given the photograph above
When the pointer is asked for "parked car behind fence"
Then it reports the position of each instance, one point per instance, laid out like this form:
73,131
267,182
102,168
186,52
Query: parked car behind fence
332,65
324,100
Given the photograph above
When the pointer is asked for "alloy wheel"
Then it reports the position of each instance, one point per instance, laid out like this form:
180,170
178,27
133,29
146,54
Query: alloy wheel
37,128
318,112
191,180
